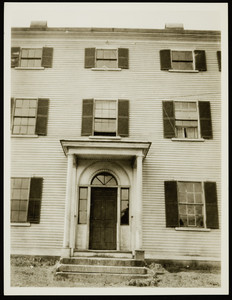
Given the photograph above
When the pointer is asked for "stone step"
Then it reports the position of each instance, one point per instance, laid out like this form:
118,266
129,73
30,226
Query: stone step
100,269
102,261
102,253
103,278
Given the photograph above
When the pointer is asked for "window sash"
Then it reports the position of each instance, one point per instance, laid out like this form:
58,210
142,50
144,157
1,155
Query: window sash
182,60
20,189
106,58
191,206
31,57
24,116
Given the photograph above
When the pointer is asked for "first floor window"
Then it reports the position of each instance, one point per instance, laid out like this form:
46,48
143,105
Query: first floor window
191,204
26,195
83,197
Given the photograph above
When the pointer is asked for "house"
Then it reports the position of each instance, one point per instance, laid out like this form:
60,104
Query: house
115,141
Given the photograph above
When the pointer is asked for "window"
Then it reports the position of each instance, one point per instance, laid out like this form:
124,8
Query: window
83,196
31,57
191,204
107,58
183,60
124,206
105,117
181,119
186,120
29,116
26,194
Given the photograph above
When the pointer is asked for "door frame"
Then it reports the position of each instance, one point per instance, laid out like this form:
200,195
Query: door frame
117,215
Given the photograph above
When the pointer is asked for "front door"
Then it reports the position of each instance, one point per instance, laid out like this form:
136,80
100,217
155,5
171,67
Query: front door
103,218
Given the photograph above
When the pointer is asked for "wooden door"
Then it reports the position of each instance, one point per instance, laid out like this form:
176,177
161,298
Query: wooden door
103,219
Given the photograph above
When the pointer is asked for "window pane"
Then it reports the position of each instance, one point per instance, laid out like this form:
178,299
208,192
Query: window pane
31,63
124,212
15,205
24,63
183,209
25,112
197,187
24,121
31,121
37,63
22,216
191,132
18,112
83,193
14,216
189,187
191,220
190,210
198,198
38,52
100,53
83,205
17,183
198,209
30,129
16,194
26,103
16,129
183,221
18,103
182,186
199,221
23,205
107,64
32,112
125,194
31,53
82,217
190,198
25,182
24,53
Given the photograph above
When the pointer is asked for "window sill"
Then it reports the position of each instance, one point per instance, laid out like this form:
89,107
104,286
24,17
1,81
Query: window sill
20,224
192,229
29,68
24,136
188,140
105,137
106,69
183,71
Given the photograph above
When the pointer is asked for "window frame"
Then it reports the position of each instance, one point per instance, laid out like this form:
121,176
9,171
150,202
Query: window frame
192,227
13,116
198,121
183,70
105,67
116,123
28,198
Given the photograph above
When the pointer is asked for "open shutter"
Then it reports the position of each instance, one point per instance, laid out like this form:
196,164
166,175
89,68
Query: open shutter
87,117
169,119
205,120
211,205
42,117
200,60
15,52
89,57
47,57
171,203
165,59
35,197
219,60
123,117
123,58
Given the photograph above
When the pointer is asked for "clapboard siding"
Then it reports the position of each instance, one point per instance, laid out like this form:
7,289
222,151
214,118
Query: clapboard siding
146,86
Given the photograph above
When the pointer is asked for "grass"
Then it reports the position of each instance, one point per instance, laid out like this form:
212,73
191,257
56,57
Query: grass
35,271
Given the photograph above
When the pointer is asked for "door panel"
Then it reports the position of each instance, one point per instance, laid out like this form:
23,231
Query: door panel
103,218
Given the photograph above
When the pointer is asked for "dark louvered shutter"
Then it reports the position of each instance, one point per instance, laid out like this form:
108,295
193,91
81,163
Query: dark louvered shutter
205,120
219,60
171,203
89,57
35,197
47,57
123,58
42,117
15,51
200,60
169,119
211,205
165,59
87,117
123,117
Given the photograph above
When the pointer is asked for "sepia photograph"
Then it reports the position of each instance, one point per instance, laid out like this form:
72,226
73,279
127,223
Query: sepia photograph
115,148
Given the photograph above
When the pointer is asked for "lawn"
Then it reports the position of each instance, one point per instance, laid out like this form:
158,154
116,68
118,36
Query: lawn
31,271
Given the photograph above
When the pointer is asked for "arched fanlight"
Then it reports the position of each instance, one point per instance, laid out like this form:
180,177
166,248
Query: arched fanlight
105,179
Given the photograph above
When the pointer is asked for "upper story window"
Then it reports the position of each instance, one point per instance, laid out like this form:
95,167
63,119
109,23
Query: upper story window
26,195
191,204
107,58
187,120
105,117
31,57
183,60
29,116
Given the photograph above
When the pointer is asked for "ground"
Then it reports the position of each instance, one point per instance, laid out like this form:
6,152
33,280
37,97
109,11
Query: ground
31,271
